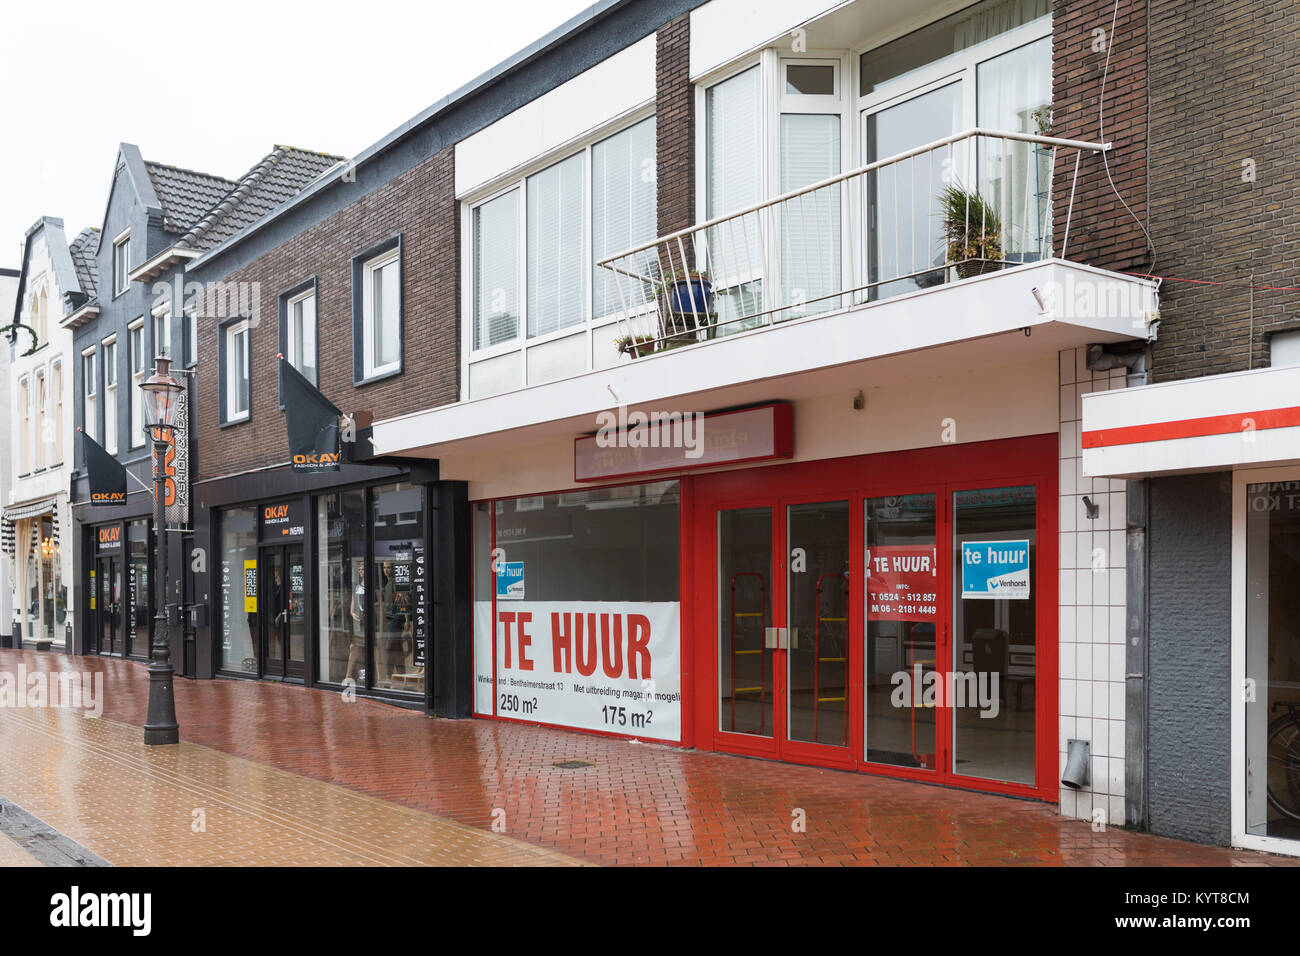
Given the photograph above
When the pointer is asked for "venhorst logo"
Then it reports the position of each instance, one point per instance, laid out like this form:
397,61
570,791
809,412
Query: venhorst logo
322,458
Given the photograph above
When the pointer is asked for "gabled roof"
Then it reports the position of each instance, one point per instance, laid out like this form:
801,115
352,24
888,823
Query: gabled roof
184,194
82,250
56,244
279,176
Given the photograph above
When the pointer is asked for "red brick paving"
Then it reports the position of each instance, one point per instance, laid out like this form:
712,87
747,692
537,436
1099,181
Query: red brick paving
637,803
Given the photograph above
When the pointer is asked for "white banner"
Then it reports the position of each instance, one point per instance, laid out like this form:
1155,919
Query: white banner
589,665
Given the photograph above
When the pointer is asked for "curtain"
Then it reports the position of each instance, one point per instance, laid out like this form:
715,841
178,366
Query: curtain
810,234
557,279
496,270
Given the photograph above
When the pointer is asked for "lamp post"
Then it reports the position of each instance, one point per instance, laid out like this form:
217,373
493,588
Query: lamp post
161,396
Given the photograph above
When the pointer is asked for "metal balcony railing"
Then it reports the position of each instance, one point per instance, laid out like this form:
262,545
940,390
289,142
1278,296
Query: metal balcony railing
965,205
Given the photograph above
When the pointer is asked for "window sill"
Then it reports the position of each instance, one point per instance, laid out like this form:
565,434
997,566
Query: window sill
377,377
235,421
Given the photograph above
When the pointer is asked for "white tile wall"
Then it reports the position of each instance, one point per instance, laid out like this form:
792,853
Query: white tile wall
1092,556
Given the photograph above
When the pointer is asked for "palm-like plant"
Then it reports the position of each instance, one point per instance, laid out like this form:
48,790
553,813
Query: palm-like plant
972,231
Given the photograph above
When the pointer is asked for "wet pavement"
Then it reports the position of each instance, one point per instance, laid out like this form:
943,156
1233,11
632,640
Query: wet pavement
273,774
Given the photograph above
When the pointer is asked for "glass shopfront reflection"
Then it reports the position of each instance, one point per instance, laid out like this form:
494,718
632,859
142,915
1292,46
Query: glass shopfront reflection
1273,659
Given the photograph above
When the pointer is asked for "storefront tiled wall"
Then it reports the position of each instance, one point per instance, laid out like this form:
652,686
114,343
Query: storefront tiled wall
1092,606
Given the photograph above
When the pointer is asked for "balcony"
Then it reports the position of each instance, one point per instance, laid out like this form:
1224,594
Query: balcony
968,205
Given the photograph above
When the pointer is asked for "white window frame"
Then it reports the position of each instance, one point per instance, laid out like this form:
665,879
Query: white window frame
290,340
368,269
41,398
135,333
1241,478
518,179
56,392
111,392
229,395
25,426
162,319
90,392
122,254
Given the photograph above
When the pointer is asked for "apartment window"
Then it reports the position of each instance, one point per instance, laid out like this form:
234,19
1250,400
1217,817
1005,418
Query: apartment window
89,394
110,396
162,331
624,214
298,329
39,320
41,437
496,270
25,413
139,372
377,311
568,215
121,262
235,380
1284,349
56,392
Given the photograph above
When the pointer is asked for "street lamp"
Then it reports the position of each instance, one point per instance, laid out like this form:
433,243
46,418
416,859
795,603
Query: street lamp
161,398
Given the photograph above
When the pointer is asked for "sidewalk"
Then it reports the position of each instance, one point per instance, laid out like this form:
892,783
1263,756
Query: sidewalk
280,775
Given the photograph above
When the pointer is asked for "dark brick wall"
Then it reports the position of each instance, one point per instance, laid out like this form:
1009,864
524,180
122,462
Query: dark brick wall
1189,666
420,204
1224,92
1102,234
675,126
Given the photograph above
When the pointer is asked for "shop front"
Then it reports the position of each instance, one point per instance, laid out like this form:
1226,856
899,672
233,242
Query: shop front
120,602
1219,457
41,608
329,587
892,613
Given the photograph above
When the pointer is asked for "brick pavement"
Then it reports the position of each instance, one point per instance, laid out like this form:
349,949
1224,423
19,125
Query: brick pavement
635,803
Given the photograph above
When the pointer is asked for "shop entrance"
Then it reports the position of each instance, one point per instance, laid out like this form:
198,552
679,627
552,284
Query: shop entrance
894,614
282,616
109,631
783,643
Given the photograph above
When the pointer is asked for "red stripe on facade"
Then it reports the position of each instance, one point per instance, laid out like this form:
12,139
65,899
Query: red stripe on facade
1193,427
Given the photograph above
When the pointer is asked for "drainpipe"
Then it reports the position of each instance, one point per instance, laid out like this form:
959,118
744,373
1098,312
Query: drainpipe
1136,657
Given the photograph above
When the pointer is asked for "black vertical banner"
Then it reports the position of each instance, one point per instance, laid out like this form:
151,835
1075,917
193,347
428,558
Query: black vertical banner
106,475
312,422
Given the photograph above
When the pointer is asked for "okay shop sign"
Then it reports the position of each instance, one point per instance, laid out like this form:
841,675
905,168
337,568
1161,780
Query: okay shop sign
590,665
996,570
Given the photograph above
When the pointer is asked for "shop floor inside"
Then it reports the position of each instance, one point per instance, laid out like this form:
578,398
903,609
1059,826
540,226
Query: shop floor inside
271,773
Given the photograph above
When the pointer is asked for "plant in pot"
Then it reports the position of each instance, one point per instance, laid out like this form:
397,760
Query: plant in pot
972,232
635,345
685,302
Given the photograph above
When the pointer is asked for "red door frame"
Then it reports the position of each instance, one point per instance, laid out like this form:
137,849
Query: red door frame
943,470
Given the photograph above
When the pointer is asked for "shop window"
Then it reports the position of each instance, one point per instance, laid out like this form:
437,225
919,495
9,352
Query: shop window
238,597
341,587
1273,660
586,596
397,618
138,613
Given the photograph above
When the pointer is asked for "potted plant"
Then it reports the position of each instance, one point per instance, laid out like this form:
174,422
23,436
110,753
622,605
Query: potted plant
685,302
972,232
635,346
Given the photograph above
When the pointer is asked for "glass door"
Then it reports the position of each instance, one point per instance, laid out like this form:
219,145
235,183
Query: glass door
904,225
283,612
109,582
784,628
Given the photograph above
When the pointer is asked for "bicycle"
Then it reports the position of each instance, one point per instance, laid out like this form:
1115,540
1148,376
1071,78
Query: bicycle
1283,781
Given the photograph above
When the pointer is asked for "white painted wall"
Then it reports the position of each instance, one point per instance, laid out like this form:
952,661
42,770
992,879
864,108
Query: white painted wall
610,89
53,481
8,292
1092,604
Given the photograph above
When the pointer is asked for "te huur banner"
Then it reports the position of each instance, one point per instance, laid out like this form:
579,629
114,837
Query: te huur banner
104,473
995,570
903,583
312,421
589,665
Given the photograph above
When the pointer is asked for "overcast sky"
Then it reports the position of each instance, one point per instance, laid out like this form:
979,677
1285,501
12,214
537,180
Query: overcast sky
214,86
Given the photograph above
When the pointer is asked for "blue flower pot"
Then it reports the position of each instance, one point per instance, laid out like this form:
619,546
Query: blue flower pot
694,295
